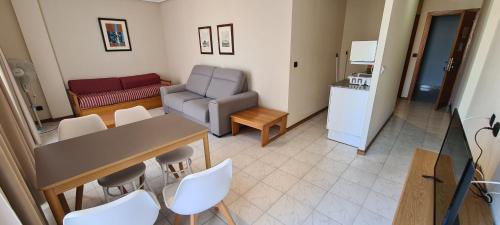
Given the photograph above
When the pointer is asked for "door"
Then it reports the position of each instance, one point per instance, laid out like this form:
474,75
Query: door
439,44
456,57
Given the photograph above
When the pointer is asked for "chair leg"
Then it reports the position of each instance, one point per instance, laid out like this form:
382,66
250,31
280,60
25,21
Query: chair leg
190,169
192,219
79,198
142,179
225,212
172,169
106,196
178,220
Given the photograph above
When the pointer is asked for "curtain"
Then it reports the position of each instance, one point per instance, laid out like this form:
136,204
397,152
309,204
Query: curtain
17,141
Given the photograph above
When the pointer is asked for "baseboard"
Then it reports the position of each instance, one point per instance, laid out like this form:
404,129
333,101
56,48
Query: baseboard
306,119
361,152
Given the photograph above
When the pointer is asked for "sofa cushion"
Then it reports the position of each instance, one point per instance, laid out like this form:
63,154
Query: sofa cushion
225,83
197,109
176,100
199,79
140,80
88,86
94,100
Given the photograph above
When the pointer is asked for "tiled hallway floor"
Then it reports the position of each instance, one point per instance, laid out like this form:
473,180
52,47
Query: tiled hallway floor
304,178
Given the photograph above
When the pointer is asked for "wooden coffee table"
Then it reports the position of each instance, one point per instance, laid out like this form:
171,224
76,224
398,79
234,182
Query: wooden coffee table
261,119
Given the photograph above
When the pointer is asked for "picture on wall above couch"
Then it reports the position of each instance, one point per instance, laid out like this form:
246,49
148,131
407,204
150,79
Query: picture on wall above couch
226,39
205,37
115,34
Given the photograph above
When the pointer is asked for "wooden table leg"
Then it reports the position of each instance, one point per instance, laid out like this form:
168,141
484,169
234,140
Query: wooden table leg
206,148
193,219
235,127
283,125
264,136
79,198
178,219
55,205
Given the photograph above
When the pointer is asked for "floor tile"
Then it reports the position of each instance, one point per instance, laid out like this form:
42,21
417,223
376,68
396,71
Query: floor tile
332,166
306,193
244,212
242,160
266,219
350,191
309,157
338,209
393,173
280,180
321,149
359,176
321,178
296,168
317,218
263,196
388,188
242,182
366,217
274,159
381,205
343,153
363,163
258,170
290,211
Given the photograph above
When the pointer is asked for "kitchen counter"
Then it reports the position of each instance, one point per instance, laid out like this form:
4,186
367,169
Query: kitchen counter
345,84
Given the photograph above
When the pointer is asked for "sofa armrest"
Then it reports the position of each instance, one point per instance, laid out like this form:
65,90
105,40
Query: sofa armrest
73,99
220,110
165,90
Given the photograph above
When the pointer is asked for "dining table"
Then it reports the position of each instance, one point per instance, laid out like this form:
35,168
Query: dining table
71,163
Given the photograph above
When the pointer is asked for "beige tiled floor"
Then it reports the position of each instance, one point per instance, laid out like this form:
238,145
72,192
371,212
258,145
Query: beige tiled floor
304,178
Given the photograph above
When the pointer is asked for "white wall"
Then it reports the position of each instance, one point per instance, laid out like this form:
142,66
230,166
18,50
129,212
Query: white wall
37,40
262,31
430,6
316,38
13,46
78,44
362,23
479,96
395,32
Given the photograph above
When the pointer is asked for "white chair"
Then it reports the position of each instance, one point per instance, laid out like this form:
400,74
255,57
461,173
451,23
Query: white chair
167,160
137,208
75,127
201,191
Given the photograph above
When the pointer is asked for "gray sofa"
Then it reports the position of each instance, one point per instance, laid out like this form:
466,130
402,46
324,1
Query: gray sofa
209,97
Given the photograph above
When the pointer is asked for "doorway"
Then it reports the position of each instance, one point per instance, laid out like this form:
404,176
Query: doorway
442,49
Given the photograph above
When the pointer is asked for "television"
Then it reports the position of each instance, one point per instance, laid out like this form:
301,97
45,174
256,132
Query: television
453,174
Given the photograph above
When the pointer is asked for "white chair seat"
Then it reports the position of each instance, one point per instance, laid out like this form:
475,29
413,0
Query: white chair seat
123,177
177,155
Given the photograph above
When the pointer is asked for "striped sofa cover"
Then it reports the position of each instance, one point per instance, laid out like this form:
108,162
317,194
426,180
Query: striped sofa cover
93,93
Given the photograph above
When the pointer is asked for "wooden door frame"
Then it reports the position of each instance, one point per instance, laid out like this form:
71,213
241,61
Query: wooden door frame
423,43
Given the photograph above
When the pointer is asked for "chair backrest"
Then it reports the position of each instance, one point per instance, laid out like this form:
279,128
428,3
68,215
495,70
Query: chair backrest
75,127
225,83
199,79
131,115
203,190
137,208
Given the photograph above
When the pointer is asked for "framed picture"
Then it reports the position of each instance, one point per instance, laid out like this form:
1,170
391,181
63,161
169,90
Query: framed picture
226,39
205,37
115,34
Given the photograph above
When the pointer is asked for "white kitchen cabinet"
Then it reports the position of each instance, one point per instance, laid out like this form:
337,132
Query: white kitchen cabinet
346,113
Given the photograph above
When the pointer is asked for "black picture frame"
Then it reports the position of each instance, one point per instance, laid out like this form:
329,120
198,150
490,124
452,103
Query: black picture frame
105,36
200,41
231,52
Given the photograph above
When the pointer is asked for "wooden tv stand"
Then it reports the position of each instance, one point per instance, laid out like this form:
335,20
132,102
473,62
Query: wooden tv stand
416,205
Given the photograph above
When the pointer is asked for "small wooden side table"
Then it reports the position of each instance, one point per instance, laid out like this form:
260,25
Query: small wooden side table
261,119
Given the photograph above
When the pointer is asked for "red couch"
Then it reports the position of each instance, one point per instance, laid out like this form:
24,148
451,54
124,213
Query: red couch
103,95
